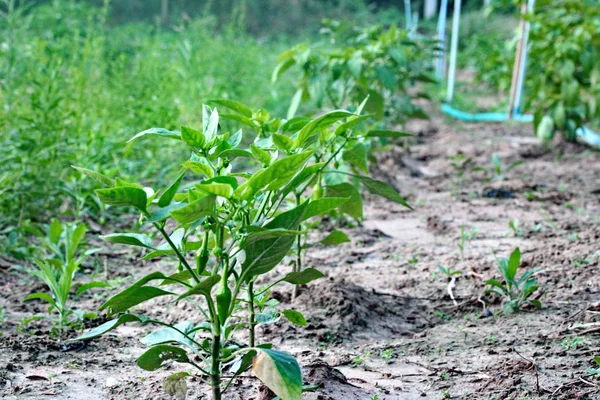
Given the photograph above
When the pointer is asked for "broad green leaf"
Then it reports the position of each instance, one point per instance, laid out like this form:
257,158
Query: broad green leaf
280,372
123,196
234,153
387,76
283,142
274,176
269,234
131,239
261,155
357,157
498,285
303,277
96,176
110,325
294,124
295,317
375,104
323,205
352,207
165,212
235,106
169,335
192,137
157,132
263,255
383,189
203,288
55,229
269,315
217,189
513,264
169,194
317,125
239,118
156,356
90,285
134,295
199,167
387,133
295,103
335,237
195,210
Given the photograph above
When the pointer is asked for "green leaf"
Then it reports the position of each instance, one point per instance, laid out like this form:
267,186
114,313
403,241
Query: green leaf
131,239
203,288
157,132
263,255
387,133
375,104
317,125
217,189
283,142
261,155
235,106
498,285
41,296
335,237
323,205
90,285
295,103
134,295
280,372
55,229
109,326
302,176
195,210
357,157
295,124
274,176
352,207
346,126
387,77
156,356
295,317
234,153
169,194
210,123
124,196
170,335
383,189
192,137
303,277
96,176
513,264
199,168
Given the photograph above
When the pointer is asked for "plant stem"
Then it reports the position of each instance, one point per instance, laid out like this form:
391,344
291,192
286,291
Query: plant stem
298,265
216,365
176,250
251,321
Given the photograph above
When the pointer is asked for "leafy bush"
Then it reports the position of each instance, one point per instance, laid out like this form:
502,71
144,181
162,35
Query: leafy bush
240,222
371,62
564,78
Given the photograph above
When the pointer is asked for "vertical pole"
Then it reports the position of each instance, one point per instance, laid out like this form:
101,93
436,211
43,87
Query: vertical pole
519,63
453,50
523,68
429,8
441,31
407,14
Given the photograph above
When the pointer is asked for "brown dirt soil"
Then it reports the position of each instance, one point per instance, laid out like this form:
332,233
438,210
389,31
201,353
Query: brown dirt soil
382,322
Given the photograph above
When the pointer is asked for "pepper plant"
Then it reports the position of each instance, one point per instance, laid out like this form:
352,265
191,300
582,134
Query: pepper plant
238,222
343,152
361,62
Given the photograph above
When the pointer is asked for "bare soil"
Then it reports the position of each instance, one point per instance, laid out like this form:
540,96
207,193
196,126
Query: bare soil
382,323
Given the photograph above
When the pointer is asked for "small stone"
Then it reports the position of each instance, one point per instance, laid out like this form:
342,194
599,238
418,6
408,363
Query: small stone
111,382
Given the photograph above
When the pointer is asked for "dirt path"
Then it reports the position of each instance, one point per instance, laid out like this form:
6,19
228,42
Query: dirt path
382,322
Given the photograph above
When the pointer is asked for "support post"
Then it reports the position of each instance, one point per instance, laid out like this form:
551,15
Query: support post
441,32
453,51
518,77
430,8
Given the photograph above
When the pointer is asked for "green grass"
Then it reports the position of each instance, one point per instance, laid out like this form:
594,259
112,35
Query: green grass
73,90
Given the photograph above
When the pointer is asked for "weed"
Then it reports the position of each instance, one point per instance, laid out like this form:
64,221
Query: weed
358,360
515,228
595,372
498,171
465,236
516,291
386,354
570,343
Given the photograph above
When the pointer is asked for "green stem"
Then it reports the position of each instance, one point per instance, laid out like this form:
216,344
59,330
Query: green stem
177,252
251,317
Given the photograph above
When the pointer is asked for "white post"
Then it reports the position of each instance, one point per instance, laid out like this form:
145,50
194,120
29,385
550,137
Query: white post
487,2
407,14
441,31
430,8
453,50
521,78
